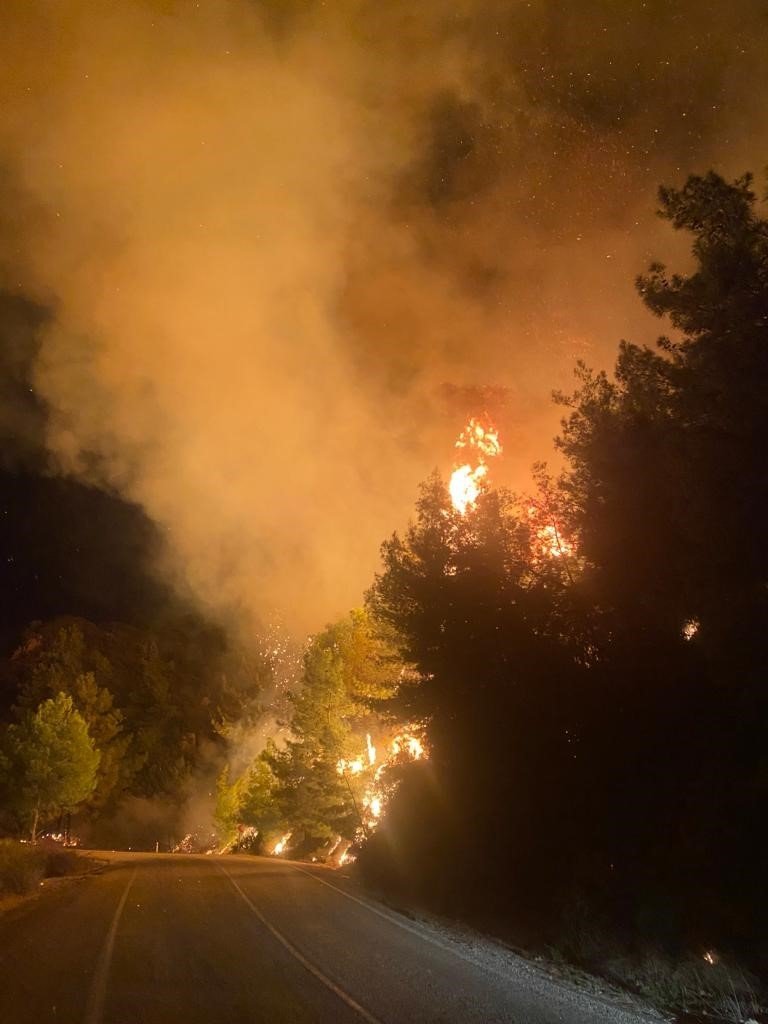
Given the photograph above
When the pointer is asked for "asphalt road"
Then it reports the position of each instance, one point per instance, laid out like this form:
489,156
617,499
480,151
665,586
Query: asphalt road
161,939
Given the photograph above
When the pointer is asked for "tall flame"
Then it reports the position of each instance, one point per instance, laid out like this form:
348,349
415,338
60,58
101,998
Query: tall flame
406,745
280,844
467,480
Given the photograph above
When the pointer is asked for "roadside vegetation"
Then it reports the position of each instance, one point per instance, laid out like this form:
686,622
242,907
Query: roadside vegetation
94,715
24,866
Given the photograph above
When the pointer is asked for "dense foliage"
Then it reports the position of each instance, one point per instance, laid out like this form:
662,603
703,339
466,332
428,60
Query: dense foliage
301,788
52,761
596,713
155,704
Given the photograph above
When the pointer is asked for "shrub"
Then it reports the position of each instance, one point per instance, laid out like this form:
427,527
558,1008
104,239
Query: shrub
59,863
22,867
691,984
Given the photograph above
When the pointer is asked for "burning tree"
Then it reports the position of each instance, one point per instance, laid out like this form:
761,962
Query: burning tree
483,625
590,660
321,785
478,443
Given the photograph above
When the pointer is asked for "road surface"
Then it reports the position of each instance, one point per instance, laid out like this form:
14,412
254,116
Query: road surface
165,939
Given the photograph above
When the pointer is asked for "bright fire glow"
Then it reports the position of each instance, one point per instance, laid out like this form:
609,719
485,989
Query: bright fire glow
405,744
354,766
408,744
468,479
547,537
280,844
373,804
551,542
690,629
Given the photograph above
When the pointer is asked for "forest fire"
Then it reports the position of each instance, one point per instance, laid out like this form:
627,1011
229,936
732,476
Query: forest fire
551,542
406,745
467,480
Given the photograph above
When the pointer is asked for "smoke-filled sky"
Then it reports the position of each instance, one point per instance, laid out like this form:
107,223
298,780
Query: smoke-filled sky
264,236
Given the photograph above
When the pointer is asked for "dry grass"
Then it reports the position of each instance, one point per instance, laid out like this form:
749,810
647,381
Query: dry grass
691,985
22,867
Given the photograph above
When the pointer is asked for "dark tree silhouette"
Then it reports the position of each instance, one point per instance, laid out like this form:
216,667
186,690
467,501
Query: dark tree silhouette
598,732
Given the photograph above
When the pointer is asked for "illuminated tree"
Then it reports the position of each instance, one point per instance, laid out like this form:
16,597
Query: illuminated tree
249,800
51,762
348,668
62,664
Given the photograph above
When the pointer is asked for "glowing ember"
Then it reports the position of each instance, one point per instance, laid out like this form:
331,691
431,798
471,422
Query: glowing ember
467,480
280,844
63,838
690,629
711,957
346,858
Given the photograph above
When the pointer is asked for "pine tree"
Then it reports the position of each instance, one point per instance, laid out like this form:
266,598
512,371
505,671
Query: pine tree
51,762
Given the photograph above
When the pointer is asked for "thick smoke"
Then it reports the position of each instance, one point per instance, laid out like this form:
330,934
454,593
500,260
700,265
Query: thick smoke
269,233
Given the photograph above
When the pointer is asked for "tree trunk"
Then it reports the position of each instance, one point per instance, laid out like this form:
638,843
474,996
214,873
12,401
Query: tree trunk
35,821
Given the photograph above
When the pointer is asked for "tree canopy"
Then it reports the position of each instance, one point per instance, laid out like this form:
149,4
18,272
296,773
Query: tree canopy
51,761
596,710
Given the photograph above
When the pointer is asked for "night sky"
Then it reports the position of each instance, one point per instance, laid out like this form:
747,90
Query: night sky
244,247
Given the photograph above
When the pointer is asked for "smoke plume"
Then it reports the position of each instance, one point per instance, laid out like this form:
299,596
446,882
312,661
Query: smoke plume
268,234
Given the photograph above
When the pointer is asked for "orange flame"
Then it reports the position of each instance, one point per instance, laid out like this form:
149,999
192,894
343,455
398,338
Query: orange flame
467,480
411,745
550,541
405,745
280,844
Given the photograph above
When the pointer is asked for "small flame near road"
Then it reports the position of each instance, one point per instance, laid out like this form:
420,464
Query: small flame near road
280,844
406,745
